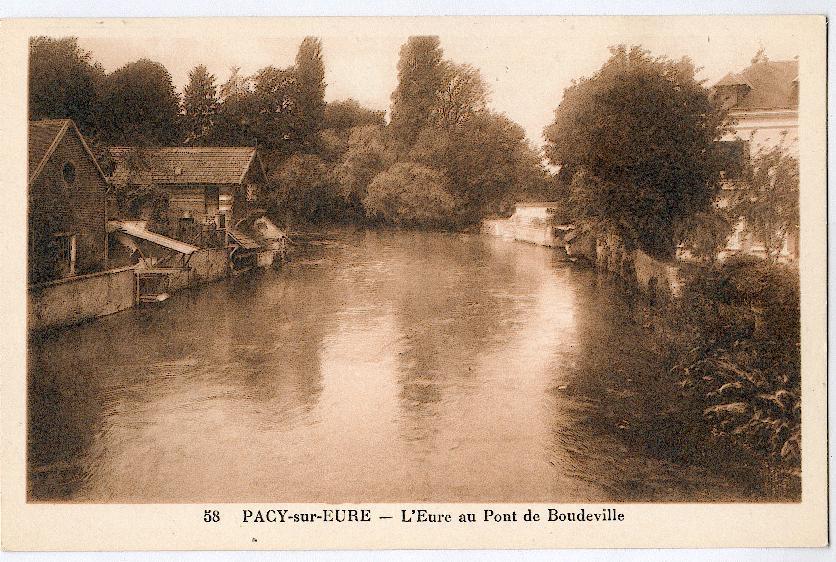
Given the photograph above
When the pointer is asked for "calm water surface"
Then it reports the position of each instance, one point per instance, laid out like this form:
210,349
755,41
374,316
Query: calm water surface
375,367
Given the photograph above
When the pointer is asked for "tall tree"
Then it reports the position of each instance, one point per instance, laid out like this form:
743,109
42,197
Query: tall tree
139,106
421,76
644,133
276,120
310,84
463,94
200,105
63,81
234,120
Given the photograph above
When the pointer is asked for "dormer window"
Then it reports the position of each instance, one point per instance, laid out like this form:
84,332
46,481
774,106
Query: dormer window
730,95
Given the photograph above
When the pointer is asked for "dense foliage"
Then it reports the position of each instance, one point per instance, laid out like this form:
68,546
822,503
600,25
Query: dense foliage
441,121
411,195
643,132
138,105
732,341
768,197
200,106
63,82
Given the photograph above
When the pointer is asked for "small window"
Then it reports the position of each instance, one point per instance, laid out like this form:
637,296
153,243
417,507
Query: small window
68,173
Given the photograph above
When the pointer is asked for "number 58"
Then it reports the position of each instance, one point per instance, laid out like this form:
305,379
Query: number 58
211,516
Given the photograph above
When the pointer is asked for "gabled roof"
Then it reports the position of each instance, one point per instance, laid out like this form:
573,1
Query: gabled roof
44,137
185,165
772,84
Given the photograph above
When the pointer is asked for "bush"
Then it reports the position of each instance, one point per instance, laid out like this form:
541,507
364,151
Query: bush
409,194
737,333
304,190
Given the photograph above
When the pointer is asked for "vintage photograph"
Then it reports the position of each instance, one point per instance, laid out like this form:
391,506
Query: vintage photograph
470,266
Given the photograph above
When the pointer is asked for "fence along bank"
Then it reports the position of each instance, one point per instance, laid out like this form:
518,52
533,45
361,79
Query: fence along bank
86,260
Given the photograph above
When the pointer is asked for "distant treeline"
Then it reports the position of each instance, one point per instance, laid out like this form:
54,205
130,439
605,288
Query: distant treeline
444,159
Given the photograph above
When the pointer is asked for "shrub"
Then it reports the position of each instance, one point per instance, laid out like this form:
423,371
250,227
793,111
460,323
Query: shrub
408,194
739,333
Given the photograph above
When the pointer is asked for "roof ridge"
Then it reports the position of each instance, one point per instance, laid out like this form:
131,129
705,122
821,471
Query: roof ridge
65,124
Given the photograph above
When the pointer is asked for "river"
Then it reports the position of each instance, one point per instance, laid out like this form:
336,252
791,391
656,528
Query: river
375,367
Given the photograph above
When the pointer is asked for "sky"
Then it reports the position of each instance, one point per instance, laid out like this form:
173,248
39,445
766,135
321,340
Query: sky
527,62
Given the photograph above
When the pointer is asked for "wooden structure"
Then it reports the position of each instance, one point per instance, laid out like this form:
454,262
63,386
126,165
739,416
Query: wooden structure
204,184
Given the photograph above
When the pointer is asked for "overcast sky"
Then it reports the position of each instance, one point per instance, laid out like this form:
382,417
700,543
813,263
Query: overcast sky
527,61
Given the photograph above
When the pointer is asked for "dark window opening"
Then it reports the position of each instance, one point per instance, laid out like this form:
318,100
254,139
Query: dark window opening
68,173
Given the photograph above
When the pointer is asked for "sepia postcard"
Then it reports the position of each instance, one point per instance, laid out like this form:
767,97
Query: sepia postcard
437,282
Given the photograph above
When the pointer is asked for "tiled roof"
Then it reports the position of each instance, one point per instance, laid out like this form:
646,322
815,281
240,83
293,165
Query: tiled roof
770,85
184,165
42,136
732,79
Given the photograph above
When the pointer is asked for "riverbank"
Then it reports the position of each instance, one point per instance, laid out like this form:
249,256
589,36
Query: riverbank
728,348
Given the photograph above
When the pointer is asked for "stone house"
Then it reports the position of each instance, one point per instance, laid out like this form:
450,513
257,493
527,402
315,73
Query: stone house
762,104
67,198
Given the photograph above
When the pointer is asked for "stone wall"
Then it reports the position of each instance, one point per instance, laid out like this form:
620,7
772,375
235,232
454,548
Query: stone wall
636,268
75,299
206,265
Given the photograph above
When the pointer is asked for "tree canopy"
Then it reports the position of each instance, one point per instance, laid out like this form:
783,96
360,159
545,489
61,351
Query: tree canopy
200,106
643,132
768,197
487,159
63,81
139,106
421,73
409,194
310,83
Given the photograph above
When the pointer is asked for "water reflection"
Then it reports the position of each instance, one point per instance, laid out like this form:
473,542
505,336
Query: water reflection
376,367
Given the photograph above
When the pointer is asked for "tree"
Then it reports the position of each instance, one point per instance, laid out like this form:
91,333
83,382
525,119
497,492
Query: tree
488,160
304,190
421,75
200,105
63,81
643,131
408,194
347,114
275,122
341,118
462,95
236,85
310,84
706,233
768,198
139,106
370,151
